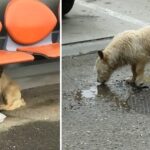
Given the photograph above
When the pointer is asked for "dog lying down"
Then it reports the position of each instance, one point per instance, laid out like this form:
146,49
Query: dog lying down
10,93
131,47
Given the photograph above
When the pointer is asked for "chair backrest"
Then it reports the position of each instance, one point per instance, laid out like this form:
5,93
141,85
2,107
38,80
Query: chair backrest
28,21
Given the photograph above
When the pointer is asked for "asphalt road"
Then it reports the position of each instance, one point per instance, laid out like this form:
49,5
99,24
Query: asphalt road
95,117
111,117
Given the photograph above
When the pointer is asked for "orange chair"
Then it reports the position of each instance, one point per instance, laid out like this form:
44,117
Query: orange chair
29,21
50,50
8,57
32,23
28,27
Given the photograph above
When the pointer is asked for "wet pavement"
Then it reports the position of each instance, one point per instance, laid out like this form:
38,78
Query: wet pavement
35,126
95,117
111,117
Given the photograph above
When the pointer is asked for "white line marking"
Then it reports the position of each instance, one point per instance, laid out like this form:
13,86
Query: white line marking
115,14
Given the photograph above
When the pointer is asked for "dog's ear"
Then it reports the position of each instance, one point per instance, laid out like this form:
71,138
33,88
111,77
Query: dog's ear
101,55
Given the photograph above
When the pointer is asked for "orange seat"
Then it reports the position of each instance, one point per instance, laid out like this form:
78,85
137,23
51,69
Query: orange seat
8,57
50,50
29,21
0,26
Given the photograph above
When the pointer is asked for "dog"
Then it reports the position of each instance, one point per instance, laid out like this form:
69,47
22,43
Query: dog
10,93
132,48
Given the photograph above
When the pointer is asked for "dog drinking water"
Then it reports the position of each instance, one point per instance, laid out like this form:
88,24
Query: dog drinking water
131,47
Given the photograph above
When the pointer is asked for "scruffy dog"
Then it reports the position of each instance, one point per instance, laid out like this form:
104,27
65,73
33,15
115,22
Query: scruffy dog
130,47
10,93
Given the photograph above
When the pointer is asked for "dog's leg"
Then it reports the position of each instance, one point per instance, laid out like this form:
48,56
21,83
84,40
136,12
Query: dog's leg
139,81
132,79
14,101
12,106
12,97
5,107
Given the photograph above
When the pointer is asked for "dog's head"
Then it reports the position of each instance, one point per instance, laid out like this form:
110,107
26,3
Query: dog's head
102,67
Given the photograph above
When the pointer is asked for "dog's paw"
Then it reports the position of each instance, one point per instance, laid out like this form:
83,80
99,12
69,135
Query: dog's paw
130,80
141,85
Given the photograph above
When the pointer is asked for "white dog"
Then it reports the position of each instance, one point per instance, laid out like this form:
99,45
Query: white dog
11,94
130,47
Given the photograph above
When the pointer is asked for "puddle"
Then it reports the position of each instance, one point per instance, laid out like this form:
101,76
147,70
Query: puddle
116,94
87,93
119,95
103,92
86,96
126,97
90,93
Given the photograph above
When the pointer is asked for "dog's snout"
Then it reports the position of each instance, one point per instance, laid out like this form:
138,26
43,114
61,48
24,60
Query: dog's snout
103,83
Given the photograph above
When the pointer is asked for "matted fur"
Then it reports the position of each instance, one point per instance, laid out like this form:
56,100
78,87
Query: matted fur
11,94
130,47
